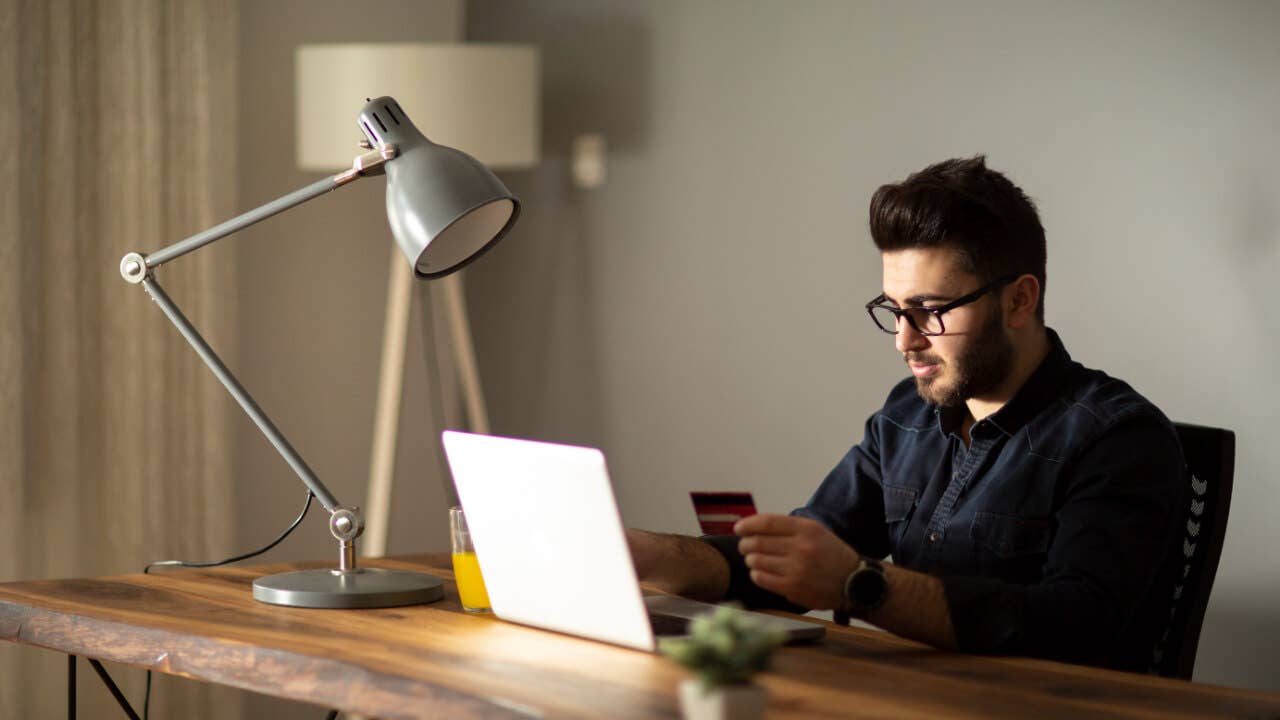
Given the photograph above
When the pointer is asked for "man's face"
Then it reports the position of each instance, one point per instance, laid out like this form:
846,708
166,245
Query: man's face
974,355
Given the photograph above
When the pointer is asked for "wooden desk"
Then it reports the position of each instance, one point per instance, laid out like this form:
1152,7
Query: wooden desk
437,661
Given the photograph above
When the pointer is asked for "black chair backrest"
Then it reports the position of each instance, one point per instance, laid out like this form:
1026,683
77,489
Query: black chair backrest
1211,455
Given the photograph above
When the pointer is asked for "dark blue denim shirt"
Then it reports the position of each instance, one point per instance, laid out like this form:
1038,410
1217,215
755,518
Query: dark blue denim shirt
1053,532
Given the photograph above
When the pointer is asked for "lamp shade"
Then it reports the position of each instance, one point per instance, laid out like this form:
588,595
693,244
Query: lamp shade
480,98
444,206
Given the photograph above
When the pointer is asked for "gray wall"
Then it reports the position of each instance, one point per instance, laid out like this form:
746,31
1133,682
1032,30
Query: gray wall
699,317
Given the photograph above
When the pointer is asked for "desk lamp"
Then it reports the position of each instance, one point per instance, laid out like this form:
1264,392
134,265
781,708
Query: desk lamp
445,209
480,96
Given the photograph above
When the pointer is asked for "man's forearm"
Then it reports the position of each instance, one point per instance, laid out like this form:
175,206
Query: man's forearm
916,608
679,564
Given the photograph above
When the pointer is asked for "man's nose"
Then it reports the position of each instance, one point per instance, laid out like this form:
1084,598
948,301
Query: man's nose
908,338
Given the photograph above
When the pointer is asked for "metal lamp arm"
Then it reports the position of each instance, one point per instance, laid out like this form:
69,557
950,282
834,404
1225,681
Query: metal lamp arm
344,523
135,267
241,395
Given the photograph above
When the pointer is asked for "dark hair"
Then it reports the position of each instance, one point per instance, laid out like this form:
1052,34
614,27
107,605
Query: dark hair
962,205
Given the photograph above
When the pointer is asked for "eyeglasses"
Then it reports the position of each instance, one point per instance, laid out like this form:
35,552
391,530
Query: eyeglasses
926,320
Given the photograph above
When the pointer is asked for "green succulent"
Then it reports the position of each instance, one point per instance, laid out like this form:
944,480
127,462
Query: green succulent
724,647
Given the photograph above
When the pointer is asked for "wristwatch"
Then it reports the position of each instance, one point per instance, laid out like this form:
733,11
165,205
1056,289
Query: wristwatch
866,588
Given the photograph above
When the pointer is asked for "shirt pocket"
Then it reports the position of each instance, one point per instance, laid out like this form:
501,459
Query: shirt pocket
899,502
1009,546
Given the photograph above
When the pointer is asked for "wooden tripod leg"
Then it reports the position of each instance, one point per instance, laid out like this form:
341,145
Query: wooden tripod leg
386,420
391,386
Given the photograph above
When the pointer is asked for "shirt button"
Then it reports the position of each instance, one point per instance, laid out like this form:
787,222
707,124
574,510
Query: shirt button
933,537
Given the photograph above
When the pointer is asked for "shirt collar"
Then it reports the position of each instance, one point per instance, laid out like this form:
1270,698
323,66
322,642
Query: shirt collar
1040,389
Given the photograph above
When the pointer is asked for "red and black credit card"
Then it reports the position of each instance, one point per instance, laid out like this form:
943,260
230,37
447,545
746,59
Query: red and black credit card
718,511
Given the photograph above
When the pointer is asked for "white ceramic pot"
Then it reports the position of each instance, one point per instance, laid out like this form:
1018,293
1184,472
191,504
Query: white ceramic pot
726,702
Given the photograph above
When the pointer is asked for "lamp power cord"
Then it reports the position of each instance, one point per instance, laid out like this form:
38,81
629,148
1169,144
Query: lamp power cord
146,702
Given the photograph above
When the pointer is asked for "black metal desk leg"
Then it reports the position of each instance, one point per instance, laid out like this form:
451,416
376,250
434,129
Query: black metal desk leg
71,687
115,691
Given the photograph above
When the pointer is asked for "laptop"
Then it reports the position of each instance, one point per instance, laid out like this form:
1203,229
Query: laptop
552,547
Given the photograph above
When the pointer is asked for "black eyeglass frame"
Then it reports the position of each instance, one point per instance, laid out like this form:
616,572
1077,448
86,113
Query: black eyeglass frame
936,312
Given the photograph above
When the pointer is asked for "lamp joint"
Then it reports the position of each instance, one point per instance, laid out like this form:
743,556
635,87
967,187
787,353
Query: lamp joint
133,268
369,163
346,524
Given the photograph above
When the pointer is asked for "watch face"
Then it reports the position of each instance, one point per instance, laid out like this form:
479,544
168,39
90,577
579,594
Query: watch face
866,588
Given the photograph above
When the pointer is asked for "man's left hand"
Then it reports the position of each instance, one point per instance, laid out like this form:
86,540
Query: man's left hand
797,558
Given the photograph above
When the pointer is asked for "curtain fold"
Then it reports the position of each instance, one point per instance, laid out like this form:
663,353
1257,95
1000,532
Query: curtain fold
118,133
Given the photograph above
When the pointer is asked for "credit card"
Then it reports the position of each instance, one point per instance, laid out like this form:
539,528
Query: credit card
718,511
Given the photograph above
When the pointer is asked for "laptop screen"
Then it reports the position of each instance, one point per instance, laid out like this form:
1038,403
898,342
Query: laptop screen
548,536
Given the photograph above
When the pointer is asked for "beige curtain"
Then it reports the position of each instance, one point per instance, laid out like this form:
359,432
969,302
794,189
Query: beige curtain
117,133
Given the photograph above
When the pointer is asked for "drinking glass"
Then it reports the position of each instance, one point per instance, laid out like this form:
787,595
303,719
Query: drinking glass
466,568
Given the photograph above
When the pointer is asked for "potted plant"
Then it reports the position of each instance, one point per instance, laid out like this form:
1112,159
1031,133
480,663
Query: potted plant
724,649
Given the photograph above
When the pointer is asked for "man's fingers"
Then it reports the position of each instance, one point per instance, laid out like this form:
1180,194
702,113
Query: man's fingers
767,524
768,581
766,544
772,564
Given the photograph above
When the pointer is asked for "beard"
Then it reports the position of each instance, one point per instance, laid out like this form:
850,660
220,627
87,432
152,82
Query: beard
979,369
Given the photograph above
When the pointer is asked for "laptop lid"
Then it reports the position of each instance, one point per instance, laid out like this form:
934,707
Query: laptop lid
548,536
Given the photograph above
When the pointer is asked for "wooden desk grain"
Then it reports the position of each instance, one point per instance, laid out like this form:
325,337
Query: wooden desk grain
438,661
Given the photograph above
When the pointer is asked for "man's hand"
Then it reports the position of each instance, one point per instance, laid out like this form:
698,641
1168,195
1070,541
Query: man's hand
797,558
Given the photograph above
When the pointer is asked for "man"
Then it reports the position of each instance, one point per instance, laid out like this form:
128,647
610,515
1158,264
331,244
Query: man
1030,504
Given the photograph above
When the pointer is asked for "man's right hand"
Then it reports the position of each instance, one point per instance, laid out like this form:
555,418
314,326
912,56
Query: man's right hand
679,564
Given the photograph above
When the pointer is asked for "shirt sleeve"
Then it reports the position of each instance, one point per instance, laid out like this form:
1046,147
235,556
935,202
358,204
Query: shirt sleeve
850,502
1111,543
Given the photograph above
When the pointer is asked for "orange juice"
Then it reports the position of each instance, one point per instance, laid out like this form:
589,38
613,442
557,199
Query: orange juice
466,572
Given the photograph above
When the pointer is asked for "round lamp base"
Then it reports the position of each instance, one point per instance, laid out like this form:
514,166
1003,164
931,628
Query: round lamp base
365,588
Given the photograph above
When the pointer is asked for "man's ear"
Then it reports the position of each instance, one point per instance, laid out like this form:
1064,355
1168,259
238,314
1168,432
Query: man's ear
1022,297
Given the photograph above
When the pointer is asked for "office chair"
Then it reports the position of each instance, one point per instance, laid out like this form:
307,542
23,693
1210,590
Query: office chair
1210,454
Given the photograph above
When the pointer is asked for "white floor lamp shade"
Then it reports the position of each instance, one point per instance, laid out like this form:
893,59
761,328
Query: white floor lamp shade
481,99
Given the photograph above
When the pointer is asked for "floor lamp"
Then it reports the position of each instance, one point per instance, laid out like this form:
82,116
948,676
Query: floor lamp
483,99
